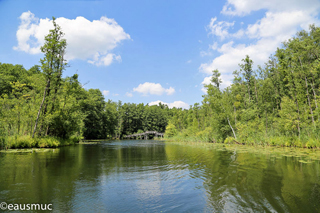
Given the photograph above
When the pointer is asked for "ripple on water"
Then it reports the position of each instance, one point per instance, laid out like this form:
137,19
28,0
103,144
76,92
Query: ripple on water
151,176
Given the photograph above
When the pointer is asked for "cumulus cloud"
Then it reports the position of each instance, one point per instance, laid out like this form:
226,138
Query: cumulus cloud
104,60
245,7
153,89
214,46
105,92
280,23
283,26
231,55
92,41
176,104
129,94
226,81
220,28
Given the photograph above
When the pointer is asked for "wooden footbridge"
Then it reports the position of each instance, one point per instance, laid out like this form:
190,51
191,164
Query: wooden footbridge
145,135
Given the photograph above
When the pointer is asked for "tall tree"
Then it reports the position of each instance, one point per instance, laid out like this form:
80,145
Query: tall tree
216,79
52,65
247,72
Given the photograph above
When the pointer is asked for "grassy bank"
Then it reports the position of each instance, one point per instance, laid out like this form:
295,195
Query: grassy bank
281,141
19,142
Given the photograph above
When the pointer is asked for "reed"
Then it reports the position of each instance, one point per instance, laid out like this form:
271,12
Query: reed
26,141
305,141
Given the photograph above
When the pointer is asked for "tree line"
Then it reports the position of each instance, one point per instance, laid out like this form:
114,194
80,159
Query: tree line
40,103
276,104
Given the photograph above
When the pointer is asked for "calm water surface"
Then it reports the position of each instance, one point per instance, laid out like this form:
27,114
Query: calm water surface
154,176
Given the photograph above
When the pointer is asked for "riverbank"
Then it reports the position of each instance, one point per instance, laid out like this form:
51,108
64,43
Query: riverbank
279,141
21,142
302,155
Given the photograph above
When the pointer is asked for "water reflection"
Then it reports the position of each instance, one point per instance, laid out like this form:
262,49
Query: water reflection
153,176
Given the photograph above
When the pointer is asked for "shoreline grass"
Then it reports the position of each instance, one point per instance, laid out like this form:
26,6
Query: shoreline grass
26,141
302,155
275,141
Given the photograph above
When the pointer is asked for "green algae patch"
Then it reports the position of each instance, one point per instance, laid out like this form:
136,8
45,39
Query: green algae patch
13,151
90,142
304,161
27,142
275,152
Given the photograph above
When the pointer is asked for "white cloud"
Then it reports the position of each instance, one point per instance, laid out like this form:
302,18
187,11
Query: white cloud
170,91
93,41
177,104
105,92
226,81
129,94
153,89
231,55
219,29
245,7
104,60
278,25
118,58
205,53
268,41
189,61
214,46
283,25
115,94
240,33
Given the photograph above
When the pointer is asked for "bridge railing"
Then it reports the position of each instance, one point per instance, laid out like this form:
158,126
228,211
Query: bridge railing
145,134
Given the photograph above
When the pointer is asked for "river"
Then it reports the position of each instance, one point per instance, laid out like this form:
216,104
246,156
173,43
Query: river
157,176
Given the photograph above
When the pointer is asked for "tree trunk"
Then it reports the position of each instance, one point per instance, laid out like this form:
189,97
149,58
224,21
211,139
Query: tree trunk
57,87
44,96
255,90
19,121
244,94
295,94
305,77
235,116
296,100
249,92
266,121
314,92
234,134
276,92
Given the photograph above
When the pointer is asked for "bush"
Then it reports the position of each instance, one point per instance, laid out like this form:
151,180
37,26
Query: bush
229,140
26,141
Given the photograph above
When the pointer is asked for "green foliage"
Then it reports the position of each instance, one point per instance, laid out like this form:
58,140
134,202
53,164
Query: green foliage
288,117
171,130
206,135
273,105
229,140
26,141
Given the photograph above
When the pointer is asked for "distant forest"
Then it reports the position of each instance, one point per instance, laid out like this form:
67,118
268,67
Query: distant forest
73,110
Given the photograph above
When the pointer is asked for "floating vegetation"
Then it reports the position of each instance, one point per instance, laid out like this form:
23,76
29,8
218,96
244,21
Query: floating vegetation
28,150
303,161
301,155
90,142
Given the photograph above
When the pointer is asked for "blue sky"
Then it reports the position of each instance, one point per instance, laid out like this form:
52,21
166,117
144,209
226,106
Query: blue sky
149,51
